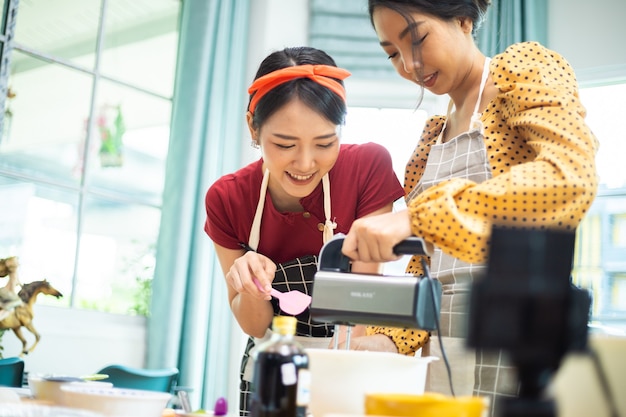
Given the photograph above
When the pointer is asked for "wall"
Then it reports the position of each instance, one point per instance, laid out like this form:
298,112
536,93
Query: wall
590,35
274,25
79,342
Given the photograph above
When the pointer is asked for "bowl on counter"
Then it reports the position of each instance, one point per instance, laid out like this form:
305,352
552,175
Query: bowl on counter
115,402
47,388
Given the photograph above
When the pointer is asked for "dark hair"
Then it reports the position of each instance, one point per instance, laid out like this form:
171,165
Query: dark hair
314,95
443,9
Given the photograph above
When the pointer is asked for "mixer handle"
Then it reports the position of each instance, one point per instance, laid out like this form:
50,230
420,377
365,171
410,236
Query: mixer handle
412,246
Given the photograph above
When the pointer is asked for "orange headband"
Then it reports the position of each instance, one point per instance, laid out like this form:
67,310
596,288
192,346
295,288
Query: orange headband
318,73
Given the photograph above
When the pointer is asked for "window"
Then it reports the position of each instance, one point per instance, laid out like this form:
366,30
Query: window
83,145
397,130
600,265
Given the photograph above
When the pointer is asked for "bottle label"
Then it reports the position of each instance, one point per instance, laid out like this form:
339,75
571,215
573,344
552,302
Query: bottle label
288,373
303,394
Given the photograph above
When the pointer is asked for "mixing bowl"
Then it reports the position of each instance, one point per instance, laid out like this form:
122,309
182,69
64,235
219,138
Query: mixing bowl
341,378
48,388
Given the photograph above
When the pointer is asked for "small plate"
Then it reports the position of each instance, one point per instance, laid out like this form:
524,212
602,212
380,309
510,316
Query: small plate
36,410
20,392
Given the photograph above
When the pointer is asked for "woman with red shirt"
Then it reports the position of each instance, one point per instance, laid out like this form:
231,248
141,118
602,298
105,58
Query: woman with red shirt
272,217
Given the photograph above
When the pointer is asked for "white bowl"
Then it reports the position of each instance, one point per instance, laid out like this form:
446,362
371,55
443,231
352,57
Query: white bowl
115,402
49,390
341,378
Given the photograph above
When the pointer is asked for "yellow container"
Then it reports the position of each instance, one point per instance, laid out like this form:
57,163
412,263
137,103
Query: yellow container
426,405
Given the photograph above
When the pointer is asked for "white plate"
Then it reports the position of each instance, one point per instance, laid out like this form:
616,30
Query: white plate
36,410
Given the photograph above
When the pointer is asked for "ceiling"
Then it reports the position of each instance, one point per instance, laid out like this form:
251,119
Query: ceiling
343,30
66,29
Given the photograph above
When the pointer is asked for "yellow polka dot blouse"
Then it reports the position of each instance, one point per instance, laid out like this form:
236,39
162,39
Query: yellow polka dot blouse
542,157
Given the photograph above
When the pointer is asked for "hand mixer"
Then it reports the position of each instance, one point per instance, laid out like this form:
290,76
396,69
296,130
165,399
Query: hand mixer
343,297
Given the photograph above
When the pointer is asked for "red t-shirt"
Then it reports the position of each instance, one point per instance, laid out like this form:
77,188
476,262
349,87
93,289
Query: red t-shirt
361,181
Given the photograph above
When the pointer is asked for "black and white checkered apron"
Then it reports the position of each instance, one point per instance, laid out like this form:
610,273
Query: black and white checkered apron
296,274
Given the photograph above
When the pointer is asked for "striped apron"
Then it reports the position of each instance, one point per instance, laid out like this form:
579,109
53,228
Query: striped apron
473,372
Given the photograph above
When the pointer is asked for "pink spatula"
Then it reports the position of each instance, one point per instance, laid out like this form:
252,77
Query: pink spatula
291,302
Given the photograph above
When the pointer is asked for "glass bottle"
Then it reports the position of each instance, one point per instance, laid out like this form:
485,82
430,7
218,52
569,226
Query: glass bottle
280,384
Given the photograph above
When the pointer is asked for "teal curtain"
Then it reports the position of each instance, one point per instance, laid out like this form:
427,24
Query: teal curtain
190,320
511,21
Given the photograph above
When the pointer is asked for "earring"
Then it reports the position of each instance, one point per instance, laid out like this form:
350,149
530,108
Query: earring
255,144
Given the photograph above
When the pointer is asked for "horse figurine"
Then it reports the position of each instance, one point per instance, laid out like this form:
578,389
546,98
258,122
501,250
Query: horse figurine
22,315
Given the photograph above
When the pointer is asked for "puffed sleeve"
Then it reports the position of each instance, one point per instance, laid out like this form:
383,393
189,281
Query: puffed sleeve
541,152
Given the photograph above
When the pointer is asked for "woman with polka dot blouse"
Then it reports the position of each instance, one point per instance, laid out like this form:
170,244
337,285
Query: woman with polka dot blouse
512,150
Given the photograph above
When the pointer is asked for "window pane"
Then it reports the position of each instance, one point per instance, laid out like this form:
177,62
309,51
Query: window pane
39,227
396,129
84,210
140,43
44,133
130,145
605,111
116,256
65,29
599,262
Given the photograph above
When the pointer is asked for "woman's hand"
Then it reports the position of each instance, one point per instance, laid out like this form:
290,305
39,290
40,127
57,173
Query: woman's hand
249,305
372,238
246,269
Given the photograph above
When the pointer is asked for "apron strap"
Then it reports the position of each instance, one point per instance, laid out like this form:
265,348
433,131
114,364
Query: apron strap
475,115
329,225
255,230
475,122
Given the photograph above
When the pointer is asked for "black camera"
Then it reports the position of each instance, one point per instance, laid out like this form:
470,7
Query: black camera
527,306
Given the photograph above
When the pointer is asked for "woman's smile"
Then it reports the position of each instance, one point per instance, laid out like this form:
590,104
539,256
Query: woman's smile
430,80
300,179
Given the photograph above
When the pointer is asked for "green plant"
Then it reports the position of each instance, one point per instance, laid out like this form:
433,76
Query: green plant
142,297
111,134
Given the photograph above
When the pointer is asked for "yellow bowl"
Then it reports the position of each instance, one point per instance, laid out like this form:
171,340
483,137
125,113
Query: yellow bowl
426,405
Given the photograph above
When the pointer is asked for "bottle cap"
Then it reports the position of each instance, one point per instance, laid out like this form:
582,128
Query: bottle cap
284,325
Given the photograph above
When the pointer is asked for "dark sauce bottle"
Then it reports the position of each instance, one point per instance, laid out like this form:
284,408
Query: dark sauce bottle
280,385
